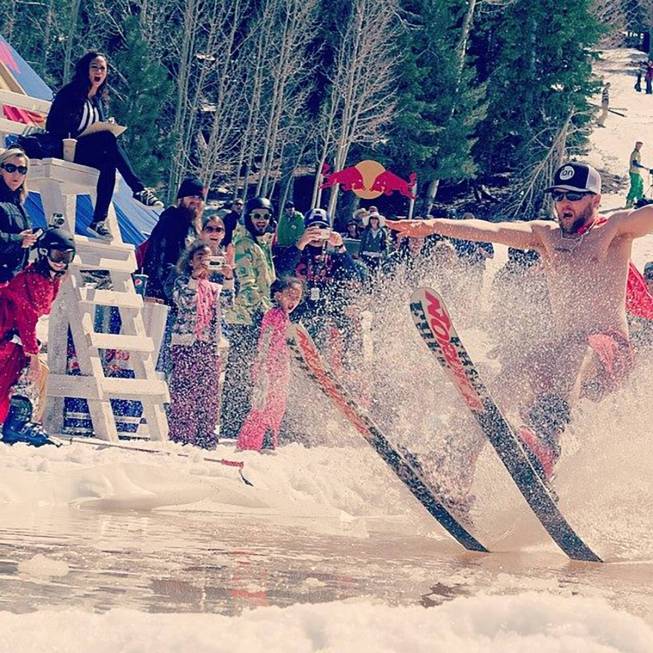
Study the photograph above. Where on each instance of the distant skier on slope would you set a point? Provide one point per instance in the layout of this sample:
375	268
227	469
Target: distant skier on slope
591	282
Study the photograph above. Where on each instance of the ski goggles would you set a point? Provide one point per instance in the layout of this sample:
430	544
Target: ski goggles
571	195
61	255
12	167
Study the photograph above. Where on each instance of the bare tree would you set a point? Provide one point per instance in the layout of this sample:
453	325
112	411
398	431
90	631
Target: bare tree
361	100
526	200
288	72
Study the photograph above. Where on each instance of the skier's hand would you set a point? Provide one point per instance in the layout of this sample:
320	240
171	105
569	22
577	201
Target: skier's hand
413	228
28	238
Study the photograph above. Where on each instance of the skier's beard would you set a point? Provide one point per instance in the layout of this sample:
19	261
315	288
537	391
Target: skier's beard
584	218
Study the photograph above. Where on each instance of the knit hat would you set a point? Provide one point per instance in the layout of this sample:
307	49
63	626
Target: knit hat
191	187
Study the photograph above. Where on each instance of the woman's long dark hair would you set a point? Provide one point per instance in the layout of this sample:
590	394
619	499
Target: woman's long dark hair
81	80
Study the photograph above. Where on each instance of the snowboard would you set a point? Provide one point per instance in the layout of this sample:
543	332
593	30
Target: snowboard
434	324
312	362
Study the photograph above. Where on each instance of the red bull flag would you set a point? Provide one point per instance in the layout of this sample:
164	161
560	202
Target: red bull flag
369	179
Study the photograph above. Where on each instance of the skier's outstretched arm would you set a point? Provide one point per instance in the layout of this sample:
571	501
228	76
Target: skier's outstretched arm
634	223
514	234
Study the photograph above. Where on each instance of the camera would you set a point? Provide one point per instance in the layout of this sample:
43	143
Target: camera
216	262
325	234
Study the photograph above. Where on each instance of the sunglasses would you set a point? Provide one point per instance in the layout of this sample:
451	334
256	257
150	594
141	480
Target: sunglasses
258	215
571	195
61	256
213	230
11	167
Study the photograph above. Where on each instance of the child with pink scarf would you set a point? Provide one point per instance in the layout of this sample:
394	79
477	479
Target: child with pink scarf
271	370
194	383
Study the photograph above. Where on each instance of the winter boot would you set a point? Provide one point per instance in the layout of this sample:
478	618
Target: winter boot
18	426
548	418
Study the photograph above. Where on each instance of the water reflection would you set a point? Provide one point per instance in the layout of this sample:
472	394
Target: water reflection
168	561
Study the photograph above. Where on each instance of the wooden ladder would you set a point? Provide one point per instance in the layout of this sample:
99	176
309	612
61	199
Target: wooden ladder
58	183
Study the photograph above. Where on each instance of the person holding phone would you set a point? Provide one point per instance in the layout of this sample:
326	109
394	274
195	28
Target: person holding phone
221	261
16	235
194	383
320	259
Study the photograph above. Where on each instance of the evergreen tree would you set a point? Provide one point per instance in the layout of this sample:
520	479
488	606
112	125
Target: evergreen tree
440	105
140	90
537	62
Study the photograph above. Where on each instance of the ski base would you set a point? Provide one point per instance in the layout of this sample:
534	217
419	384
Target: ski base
311	361
436	328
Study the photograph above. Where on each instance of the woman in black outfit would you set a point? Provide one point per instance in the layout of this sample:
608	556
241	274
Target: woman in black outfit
16	236
78	105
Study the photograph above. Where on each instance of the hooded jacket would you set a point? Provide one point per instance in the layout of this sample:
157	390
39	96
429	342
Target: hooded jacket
255	274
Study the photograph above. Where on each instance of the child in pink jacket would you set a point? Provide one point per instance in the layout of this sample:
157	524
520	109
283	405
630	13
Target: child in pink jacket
271	370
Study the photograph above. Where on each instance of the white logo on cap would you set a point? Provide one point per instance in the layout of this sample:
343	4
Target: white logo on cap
566	173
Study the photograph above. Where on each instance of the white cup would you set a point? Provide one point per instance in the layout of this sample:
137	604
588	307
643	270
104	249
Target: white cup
69	146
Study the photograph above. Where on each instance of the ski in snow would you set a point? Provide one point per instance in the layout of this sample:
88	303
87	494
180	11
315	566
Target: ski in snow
436	328
312	362
102	444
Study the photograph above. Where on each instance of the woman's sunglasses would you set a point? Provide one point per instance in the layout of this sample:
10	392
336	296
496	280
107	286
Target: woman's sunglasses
61	256
571	195
11	167
214	230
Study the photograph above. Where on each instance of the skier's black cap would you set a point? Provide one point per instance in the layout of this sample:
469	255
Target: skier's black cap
576	176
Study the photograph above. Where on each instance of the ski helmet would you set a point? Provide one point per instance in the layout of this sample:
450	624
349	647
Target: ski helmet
258	203
57	240
251	206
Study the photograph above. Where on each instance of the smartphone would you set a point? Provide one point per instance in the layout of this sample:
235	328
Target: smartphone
37	232
216	262
325	234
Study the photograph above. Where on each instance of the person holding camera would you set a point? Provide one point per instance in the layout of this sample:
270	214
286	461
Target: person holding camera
320	259
16	235
195	378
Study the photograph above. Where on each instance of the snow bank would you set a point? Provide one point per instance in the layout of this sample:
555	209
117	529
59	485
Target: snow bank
508	624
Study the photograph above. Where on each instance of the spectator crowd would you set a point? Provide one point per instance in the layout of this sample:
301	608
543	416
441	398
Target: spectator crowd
232	279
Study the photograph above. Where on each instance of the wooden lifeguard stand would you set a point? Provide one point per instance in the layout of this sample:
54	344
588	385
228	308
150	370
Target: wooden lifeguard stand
59	183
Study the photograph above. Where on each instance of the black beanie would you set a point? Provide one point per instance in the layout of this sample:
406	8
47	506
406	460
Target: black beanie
191	187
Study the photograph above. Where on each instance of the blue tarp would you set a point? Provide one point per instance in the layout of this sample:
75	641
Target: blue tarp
135	220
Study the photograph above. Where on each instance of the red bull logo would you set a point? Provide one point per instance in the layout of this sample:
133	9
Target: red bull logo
369	179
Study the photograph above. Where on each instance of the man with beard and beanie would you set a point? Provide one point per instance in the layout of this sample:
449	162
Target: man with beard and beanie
178	227
26	298
591	284
320	259
255	273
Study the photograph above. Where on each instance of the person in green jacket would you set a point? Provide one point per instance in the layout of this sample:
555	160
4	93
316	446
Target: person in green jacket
290	227
255	273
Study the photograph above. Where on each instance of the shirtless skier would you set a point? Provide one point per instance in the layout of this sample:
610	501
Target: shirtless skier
591	282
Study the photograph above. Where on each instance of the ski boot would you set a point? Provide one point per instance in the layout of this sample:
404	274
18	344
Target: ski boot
541	441
18	426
